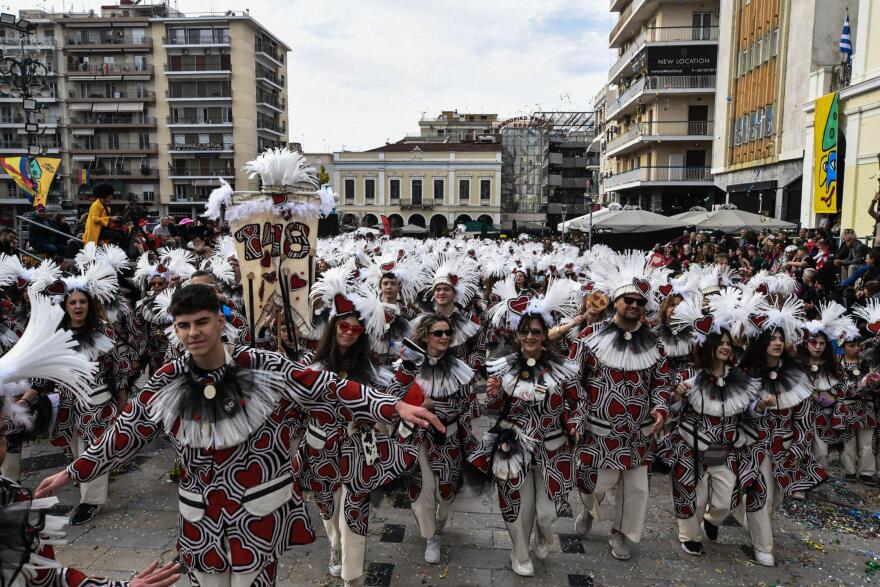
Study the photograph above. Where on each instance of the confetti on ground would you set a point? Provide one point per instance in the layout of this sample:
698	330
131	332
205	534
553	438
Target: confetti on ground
838	506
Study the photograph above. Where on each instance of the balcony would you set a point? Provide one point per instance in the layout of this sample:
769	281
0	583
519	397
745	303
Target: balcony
211	67
200	147
422	204
644	132
277	129
204	172
27	42
142	174
196	40
199	121
105	69
662	36
270	52
119	148
122	96
630	20
276	81
110	41
272	102
18	120
21	146
556	180
199	95
659	176
653	85
110	121
53	96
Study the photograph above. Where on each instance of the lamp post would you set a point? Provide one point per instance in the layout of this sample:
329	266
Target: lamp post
564	208
589	201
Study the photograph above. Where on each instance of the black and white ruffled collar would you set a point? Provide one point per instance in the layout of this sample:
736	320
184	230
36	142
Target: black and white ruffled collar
92	343
444	377
623	350
675	346
722	396
788	383
219	408
532	382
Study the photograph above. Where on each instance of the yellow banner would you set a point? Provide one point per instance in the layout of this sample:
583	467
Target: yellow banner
32	174
825	155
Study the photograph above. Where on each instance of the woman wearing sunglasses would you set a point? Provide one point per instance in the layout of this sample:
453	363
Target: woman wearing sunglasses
341	463
447	384
700	448
778	430
526	451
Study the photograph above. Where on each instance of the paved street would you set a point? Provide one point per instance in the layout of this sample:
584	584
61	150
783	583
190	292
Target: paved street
140	524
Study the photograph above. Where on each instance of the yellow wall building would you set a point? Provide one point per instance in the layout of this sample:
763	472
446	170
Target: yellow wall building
431	185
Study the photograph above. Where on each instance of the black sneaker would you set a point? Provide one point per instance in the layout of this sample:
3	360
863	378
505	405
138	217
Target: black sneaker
850	476
83	514
692	548
710	530
867	480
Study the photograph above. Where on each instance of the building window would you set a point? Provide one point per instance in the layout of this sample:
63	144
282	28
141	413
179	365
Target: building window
759	53
754	126
774	42
759	131
394	191
416	191
768	120
349	191
179	192
766	46
485	191
464	192
149	196
370	190
438	190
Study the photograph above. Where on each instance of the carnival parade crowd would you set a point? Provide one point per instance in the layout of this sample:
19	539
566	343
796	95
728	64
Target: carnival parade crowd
737	363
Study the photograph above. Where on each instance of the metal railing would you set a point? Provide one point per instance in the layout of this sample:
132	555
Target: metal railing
108	68
688	128
19	119
46	228
27	42
194	67
142	95
658	173
679	82
218	146
197	172
107	146
24	143
221	39
109	39
662	34
199	120
113	120
225	93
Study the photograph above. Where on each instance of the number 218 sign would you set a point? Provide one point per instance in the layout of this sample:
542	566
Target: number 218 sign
270	241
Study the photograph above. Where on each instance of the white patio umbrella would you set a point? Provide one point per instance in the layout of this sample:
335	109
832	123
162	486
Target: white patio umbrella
732	220
636	221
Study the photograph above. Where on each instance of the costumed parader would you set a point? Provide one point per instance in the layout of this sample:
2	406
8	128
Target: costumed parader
228	412
826	375
28	533
84	419
705	468
626	380
861	362
397	288
447	384
527	450
778	429
338	462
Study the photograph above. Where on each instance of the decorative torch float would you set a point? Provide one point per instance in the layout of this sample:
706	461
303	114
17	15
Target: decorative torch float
276	233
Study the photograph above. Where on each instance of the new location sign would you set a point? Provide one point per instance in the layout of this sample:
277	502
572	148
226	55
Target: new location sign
693	60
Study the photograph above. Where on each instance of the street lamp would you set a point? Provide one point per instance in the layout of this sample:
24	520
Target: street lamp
564	208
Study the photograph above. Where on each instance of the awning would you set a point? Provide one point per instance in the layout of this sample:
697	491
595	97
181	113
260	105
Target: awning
131	107
80	107
205	182
137	78
105	107
82	132
83	157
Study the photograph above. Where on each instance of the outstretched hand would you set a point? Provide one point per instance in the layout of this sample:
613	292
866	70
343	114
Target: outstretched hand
51	484
156	576
659	420
419	416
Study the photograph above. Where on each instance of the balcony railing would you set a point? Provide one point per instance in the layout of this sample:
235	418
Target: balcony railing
662	35
23	144
120	147
111	120
27	42
220	146
682	174
221	39
200	120
195	67
625	16
132	174
680	82
19	119
199	171
108	68
208	95
109	39
686	128
131	96
270	51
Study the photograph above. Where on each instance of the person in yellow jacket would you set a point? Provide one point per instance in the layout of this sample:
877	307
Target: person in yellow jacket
98	221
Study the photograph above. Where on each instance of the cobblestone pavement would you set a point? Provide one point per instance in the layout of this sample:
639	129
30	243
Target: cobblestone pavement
139	524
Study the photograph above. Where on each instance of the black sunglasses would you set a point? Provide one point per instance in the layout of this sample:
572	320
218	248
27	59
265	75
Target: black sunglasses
439	333
533	332
640	302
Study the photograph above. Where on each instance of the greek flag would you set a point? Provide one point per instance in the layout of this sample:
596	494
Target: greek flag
846	40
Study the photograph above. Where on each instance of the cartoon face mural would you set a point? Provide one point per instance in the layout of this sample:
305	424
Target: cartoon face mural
825	155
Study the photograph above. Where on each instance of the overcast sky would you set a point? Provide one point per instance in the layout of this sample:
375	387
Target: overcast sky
364	71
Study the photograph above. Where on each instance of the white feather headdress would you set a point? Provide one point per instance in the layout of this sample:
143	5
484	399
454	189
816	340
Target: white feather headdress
560	302
622	273
833	323
724	307
870	313
99	280
457	271
789	317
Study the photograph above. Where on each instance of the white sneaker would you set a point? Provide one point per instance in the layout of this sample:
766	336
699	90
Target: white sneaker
542	549
763	558
335	565
432	550
522	568
583	524
619	547
799	495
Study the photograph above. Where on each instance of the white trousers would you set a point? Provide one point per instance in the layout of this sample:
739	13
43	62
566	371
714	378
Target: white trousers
820	450
429	508
858	454
227	579
535	509
758	523
714	491
91	492
630	496
352	547
11	468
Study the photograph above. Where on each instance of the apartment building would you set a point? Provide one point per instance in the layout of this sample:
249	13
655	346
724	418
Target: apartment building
767	52
660	104
450	126
432	185
161	104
